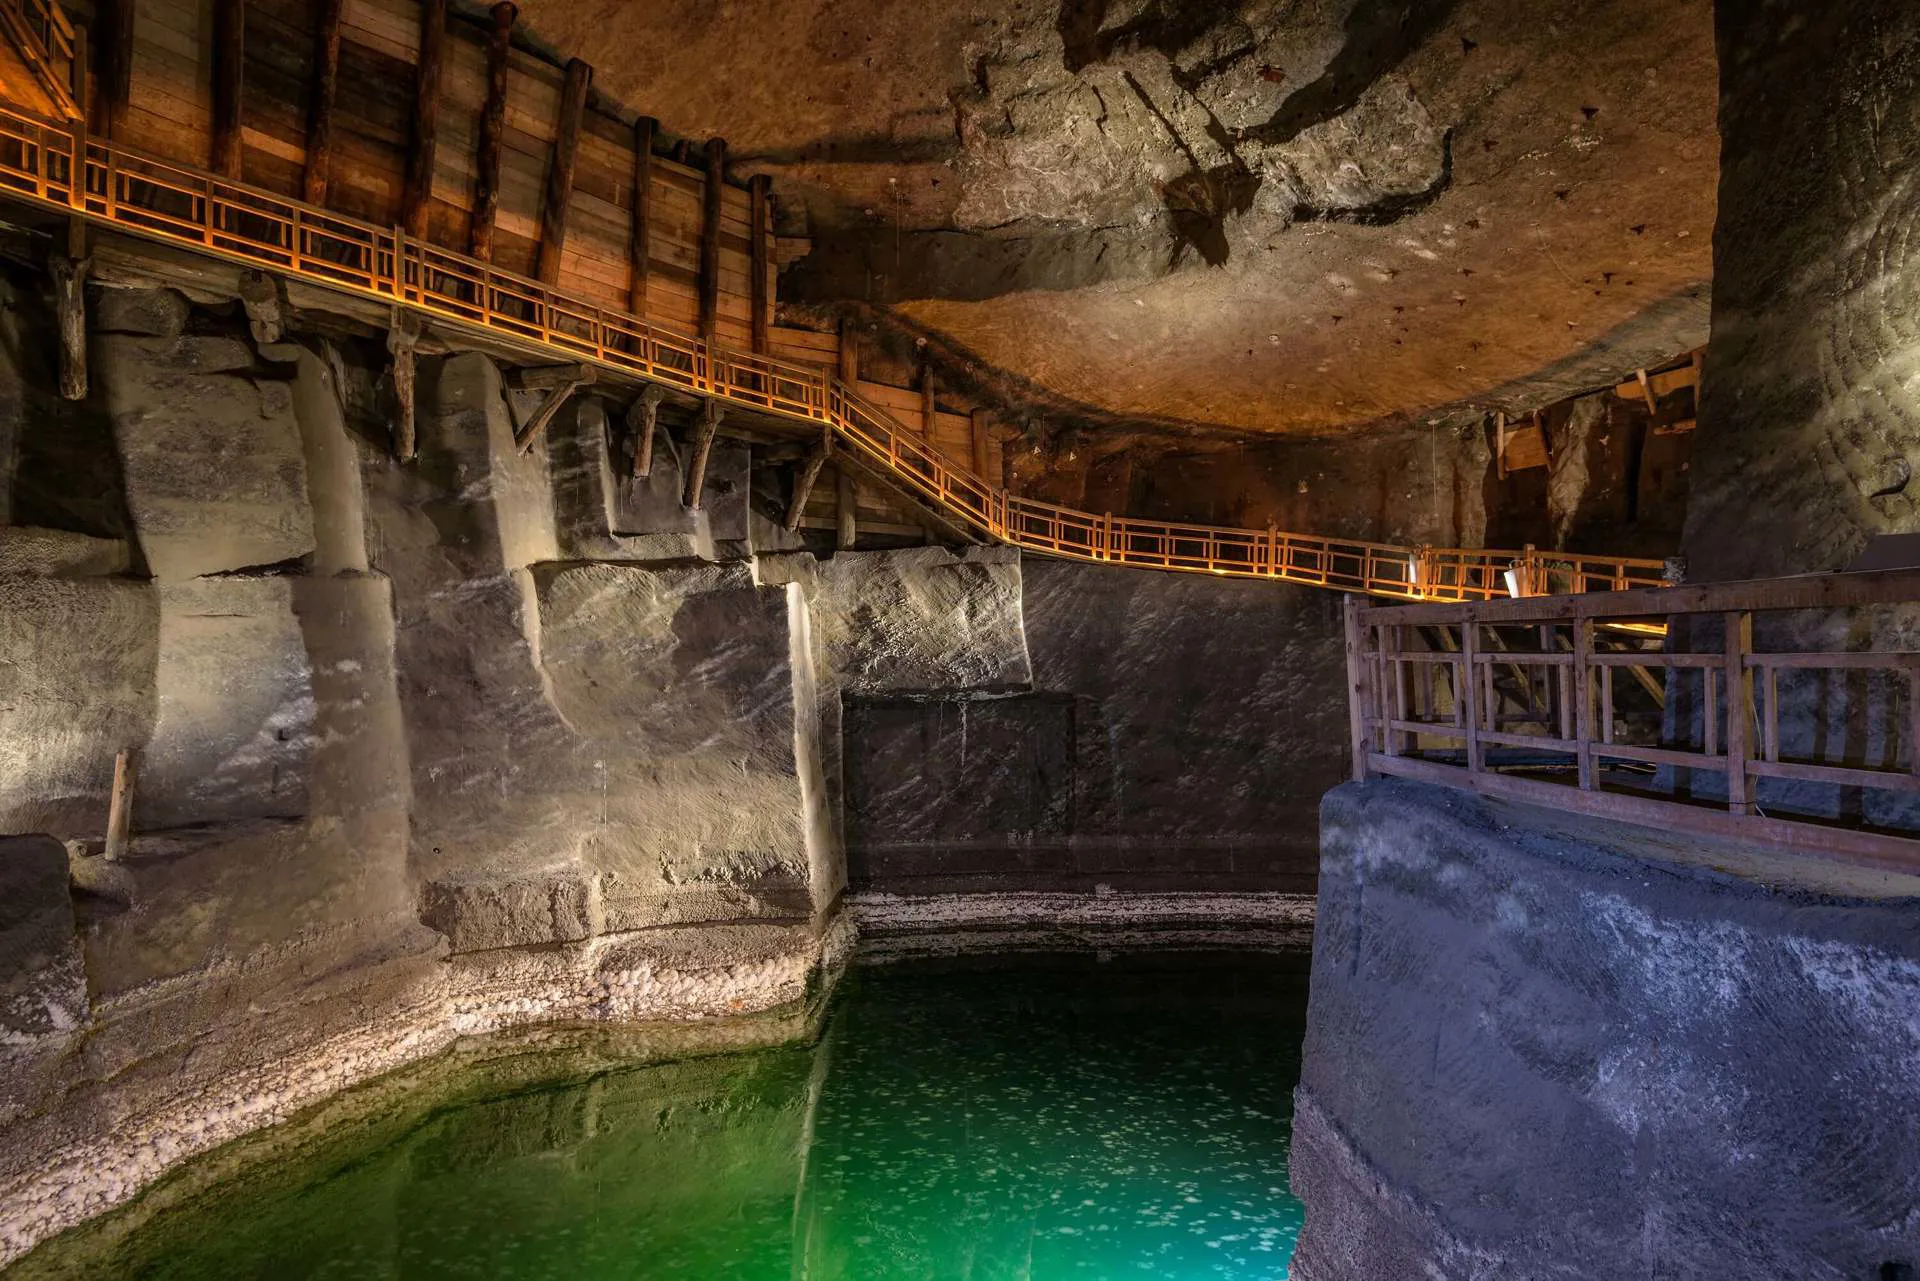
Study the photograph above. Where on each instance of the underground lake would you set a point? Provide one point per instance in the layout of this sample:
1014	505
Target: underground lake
1012	1117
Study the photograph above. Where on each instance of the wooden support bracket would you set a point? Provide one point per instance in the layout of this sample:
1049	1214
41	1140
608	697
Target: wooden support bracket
403	336
702	450
804	482
643	420
560	382
266	311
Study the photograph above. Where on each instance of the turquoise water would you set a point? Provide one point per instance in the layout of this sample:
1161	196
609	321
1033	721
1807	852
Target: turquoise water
1042	1119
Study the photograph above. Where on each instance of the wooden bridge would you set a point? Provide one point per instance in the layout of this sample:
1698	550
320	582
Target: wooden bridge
50	160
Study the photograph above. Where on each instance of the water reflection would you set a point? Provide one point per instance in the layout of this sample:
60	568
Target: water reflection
1048	1118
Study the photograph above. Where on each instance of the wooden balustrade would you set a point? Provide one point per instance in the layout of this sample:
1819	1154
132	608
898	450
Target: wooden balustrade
1428	702
180	205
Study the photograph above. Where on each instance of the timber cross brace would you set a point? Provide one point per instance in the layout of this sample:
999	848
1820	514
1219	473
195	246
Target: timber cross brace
54	165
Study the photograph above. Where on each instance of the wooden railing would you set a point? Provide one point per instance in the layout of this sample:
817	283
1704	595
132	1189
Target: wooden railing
184	206
41	33
1593	704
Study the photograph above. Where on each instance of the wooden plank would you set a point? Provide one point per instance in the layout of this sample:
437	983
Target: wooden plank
229	66
644	130
710	238
326	90
493	130
760	277
426	117
559	193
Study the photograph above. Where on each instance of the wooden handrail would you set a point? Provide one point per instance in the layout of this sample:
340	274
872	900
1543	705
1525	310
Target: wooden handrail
1432	713
181	205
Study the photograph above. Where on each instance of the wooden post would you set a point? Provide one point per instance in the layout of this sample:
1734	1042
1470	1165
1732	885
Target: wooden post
1739	685
760	252
70	266
1393	691
702	449
229	64
643	420
710	238
120	806
846	511
403	335
493	130
849	354
982	441
1583	700
83	99
426	118
1356	688
1500	445
809	473
1470	692
644	130
326	88
116	65
566	150
927	410
560	382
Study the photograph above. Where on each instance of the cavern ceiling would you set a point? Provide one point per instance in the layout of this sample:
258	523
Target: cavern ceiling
1270	216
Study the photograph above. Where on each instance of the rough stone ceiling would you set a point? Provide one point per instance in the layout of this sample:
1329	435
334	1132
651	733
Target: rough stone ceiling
1272	216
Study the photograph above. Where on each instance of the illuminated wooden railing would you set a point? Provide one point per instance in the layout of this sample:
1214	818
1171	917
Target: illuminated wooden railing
41	33
1529	700
180	205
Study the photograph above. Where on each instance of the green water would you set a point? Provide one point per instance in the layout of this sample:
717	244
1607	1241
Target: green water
1052	1118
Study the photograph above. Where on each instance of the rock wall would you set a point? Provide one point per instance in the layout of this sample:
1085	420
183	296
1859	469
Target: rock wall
1541	1047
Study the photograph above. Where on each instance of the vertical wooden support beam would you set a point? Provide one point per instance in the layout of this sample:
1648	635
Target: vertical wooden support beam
1739	684
927	410
846	511
120	807
702	449
1500	445
566	150
1356	688
849	354
326	89
116	22
1471	692
981	425
710	238
70	266
493	130
760	251
644	130
643	421
403	334
1583	700
83	99
229	67
809	474
426	118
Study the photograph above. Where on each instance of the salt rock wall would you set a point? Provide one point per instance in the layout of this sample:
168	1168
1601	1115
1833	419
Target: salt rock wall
1541	1047
1176	733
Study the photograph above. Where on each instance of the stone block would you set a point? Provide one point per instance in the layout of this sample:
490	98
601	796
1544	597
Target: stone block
234	733
524	912
43	980
56	553
215	472
150	313
77	663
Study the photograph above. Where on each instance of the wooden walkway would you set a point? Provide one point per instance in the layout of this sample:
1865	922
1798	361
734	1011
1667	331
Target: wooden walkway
55	165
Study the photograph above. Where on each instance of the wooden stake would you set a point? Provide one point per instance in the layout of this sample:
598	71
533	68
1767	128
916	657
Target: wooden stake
70	271
566	149
493	130
809	473
644	130
229	64
982	441
1646	392
710	238
846	502
564	381
120	807
426	118
116	65
760	244
702	449
643	419
326	88
403	335
849	354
